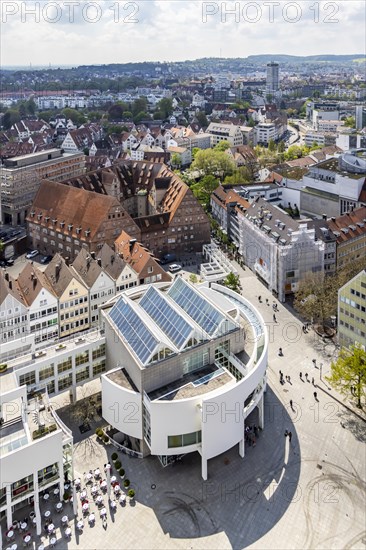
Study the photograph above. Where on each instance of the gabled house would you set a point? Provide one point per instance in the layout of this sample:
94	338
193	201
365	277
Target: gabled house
41	301
100	285
147	269
72	296
123	275
14	316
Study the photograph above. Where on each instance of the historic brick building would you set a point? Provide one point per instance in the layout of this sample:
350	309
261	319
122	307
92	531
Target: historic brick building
146	200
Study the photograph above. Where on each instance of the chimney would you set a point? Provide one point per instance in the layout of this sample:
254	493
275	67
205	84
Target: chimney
57	270
7	276
324	216
132	242
333	219
92	254
112	259
99	260
67	261
34	282
10	284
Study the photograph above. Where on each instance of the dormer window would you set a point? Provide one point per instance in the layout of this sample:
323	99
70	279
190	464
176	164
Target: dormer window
62	224
69	227
78	230
87	233
47	219
32	213
39	216
54	221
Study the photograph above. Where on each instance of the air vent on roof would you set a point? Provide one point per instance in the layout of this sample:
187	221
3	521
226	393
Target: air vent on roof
353	227
360	224
336	233
62	224
87	233
39	216
32	213
344	230
54	221
78	230
47	219
69	227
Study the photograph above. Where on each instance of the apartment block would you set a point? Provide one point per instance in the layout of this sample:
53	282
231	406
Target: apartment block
21	176
352	311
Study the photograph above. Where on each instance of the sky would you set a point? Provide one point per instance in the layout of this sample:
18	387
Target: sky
80	32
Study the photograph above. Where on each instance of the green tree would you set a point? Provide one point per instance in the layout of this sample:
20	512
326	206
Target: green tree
348	373
126	114
316	298
222	145
10	117
176	160
232	281
165	107
240	175
350	122
202	119
272	145
139	106
204	189
195	151
74	115
142	115
209	161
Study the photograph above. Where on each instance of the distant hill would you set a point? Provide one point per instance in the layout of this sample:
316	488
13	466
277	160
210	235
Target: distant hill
283	58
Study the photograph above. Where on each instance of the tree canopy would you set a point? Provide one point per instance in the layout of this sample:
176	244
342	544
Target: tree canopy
209	161
348	373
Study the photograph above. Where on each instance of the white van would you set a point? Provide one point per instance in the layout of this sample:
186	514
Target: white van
174	268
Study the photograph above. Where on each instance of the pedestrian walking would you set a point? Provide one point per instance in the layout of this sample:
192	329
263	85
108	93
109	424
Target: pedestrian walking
289	379
313	382
286	433
280	353
315	396
314	362
291	404
301	375
306	376
274	318
267	302
290	436
260	299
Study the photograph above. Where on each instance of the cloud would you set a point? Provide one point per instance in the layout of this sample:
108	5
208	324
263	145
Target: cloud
109	31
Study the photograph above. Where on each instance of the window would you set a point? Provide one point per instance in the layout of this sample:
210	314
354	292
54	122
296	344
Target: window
65	365
184	439
27	378
64	382
98	368
99	352
82	358
82	374
46	372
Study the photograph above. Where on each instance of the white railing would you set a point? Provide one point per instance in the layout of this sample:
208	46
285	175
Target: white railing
58	420
125	450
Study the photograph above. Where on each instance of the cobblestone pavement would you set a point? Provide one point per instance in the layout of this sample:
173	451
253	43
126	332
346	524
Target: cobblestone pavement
305	493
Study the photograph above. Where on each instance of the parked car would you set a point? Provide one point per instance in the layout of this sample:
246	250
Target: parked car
32	254
174	268
46	259
9	262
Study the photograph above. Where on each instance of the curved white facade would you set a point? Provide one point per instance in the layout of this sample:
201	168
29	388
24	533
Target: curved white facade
186	415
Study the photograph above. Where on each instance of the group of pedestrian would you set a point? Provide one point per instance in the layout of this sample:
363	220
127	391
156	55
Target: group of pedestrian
283	378
306	328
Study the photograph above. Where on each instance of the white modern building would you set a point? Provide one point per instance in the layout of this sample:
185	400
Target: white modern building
190	366
35	451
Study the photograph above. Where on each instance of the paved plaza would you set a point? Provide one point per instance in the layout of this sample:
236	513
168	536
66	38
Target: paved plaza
305	493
